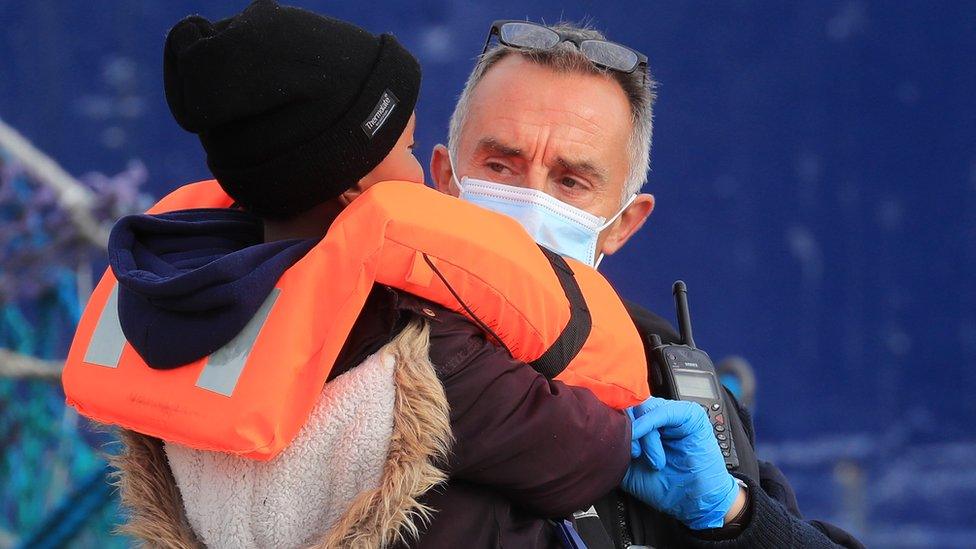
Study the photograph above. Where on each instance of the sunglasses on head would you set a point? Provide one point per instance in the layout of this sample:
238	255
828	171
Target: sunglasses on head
531	36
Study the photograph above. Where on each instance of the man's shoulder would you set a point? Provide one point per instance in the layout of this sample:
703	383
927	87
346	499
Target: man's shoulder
455	338
650	323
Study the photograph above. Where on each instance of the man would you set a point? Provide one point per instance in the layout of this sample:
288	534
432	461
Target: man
561	112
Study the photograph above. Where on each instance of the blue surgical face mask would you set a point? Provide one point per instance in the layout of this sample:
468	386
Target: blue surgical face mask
561	227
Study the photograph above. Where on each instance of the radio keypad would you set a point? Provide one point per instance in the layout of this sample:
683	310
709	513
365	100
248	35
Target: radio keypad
717	419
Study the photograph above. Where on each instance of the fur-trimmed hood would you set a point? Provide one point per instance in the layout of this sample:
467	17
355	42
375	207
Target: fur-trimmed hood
367	506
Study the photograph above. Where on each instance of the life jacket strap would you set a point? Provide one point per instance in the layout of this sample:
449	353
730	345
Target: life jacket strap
574	335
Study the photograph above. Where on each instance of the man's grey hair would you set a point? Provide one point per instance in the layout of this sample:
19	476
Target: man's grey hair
567	58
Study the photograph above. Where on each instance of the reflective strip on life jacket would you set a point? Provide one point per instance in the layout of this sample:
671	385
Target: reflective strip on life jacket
105	348
224	366
253	395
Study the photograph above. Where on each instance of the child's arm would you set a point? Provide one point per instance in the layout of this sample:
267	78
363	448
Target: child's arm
548	447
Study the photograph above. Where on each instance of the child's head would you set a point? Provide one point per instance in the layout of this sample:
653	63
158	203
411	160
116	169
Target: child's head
293	108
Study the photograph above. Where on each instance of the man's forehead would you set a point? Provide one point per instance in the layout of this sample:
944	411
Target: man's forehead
517	98
521	129
590	101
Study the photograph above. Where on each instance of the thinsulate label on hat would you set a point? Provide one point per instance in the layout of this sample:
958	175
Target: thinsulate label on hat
381	112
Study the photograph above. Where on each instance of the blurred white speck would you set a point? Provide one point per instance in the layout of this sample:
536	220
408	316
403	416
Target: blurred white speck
95	107
890	214
806	249
131	107
908	93
847	22
725	186
898	342
436	43
119	72
113	137
808	167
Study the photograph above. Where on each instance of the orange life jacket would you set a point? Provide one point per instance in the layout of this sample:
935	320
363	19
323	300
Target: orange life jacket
252	396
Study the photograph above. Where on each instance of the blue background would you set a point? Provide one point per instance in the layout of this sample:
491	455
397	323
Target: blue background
814	165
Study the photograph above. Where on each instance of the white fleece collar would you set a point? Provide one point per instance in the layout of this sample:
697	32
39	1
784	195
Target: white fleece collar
293	500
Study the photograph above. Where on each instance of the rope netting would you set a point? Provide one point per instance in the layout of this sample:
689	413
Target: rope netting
53	229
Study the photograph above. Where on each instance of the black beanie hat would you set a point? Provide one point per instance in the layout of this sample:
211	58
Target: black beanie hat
292	108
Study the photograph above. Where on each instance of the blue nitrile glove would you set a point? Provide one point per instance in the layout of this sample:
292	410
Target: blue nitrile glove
678	467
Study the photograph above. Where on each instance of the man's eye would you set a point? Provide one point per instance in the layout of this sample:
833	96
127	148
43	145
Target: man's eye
496	167
569	183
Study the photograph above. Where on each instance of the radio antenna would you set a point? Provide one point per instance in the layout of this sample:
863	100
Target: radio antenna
680	292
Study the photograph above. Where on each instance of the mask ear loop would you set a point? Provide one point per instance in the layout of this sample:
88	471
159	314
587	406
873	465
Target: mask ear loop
599	259
596	265
450	161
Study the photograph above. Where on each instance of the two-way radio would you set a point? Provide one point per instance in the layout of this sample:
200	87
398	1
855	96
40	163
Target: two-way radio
684	372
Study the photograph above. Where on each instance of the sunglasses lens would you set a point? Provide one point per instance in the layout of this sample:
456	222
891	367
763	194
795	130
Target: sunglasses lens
610	55
527	35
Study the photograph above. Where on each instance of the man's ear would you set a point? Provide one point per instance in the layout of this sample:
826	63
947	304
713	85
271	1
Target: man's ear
631	220
440	170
